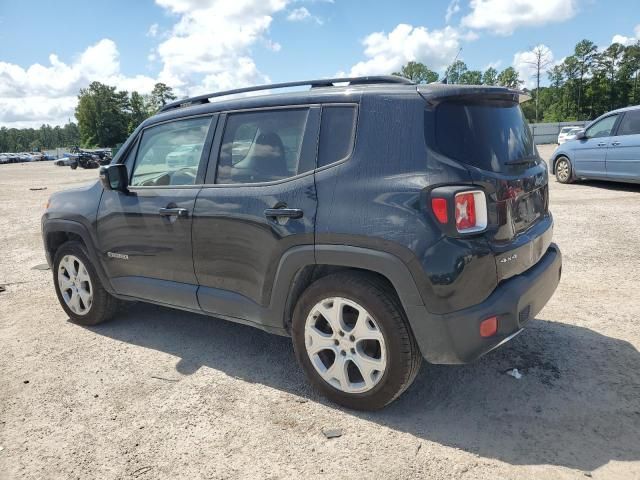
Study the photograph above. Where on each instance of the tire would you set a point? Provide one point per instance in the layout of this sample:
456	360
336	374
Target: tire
563	170
85	300
73	166
367	309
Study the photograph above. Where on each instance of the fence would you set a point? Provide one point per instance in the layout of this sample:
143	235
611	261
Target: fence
548	132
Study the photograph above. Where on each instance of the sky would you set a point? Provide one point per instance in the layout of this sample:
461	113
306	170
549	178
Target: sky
49	50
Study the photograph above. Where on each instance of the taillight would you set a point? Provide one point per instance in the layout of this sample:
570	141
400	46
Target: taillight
439	207
471	211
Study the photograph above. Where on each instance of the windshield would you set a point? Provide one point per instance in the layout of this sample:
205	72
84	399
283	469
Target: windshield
485	134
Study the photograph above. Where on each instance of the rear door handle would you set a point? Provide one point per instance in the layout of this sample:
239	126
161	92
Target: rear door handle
283	212
615	144
177	212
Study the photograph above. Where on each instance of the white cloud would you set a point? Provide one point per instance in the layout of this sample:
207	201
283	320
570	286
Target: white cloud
504	16
302	14
207	49
628	40
525	65
48	94
495	65
153	30
211	42
452	9
388	52
298	14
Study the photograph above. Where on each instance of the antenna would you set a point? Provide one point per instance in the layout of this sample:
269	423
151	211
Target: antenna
446	74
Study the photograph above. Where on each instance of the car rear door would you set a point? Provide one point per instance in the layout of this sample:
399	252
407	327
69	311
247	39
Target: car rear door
145	234
623	155
259	201
590	153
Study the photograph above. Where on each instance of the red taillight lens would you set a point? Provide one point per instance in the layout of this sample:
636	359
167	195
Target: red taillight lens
439	207
465	211
471	211
489	327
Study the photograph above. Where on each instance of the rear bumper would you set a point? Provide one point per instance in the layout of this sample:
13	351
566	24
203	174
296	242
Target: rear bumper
454	338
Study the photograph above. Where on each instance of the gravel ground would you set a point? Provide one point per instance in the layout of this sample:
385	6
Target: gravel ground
158	393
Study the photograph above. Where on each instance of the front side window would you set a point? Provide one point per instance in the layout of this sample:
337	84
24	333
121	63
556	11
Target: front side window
169	154
630	124
602	128
263	146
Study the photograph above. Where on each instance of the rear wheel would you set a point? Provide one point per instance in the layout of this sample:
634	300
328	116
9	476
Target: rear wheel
563	170
78	286
351	338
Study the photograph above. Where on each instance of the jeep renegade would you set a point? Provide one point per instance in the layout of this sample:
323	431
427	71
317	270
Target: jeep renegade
375	221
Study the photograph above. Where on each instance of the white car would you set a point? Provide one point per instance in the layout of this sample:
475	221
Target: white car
567	133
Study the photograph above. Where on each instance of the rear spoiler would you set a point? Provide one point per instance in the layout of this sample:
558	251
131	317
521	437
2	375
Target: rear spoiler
435	93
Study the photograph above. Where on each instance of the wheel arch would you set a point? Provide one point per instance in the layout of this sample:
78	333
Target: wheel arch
385	267
56	232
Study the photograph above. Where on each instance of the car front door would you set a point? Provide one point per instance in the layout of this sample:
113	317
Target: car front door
590	153
259	201
623	155
145	234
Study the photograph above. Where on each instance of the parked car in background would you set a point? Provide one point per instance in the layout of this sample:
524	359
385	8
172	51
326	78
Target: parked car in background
608	149
567	133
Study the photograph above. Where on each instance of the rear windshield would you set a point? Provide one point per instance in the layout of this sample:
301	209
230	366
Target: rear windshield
483	134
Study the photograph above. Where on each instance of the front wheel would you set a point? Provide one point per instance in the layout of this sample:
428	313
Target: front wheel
563	170
78	286
351	337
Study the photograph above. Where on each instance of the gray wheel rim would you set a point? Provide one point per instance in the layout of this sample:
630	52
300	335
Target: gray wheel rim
75	284
562	170
345	345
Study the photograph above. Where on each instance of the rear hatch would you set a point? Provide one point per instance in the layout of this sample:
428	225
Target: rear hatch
485	130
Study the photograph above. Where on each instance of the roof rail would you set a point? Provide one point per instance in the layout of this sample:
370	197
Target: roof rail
323	82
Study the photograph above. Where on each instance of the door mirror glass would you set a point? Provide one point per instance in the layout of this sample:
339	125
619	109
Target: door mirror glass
580	135
115	177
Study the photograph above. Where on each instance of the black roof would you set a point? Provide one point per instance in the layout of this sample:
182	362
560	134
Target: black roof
334	90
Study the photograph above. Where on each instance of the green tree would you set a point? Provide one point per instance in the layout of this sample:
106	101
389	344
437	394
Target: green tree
417	72
455	71
140	109
471	77
161	95
585	53
102	115
509	78
490	76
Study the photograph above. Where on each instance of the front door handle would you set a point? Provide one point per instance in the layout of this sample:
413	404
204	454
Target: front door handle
602	144
283	212
171	212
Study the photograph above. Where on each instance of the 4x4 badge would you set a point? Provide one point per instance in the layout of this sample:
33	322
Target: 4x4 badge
121	256
509	259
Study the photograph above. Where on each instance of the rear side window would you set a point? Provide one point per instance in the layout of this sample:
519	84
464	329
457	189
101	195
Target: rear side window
630	124
337	131
263	146
484	134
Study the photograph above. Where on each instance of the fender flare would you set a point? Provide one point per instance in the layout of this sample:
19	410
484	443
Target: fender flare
69	226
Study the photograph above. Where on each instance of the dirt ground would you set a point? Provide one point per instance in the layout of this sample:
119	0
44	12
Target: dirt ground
158	393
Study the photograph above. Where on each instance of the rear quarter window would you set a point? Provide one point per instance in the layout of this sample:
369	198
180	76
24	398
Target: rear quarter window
337	132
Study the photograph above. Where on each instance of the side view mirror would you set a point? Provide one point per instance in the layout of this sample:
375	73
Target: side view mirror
580	134
115	177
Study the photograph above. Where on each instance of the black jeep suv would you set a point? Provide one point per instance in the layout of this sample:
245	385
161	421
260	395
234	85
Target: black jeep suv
373	220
